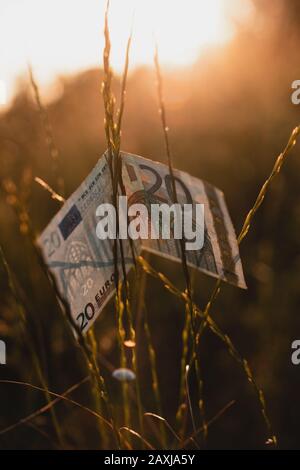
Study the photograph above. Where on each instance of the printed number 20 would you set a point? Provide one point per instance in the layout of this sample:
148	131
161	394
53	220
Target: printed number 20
168	182
52	243
84	317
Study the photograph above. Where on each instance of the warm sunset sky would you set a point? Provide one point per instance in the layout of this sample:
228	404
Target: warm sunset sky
61	36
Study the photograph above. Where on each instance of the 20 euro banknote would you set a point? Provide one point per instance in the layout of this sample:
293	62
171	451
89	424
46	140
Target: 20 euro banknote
83	265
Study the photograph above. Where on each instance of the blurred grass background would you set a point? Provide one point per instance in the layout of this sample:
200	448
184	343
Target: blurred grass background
230	115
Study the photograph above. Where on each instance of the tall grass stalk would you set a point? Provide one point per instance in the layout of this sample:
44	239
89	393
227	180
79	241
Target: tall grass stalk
98	383
243	233
208	424
64	306
62	397
142	315
98	402
113	130
205	316
189	304
53	151
44	408
24	318
110	132
250	216
93	368
233	351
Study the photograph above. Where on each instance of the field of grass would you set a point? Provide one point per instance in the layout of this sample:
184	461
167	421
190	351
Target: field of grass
212	363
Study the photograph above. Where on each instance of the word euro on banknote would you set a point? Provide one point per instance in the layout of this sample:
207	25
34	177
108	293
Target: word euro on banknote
83	265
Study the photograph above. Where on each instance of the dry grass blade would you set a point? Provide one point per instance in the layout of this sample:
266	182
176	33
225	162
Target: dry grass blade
53	151
48	188
113	135
61	397
44	434
162	278
271	439
244	231
92	365
189	400
136	434
91	361
44	408
165	127
24	318
250	216
165	422
98	402
262	193
223	337
189	303
64	306
110	132
142	322
209	423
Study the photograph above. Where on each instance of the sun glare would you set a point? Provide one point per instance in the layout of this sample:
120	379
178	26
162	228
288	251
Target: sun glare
181	28
63	36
